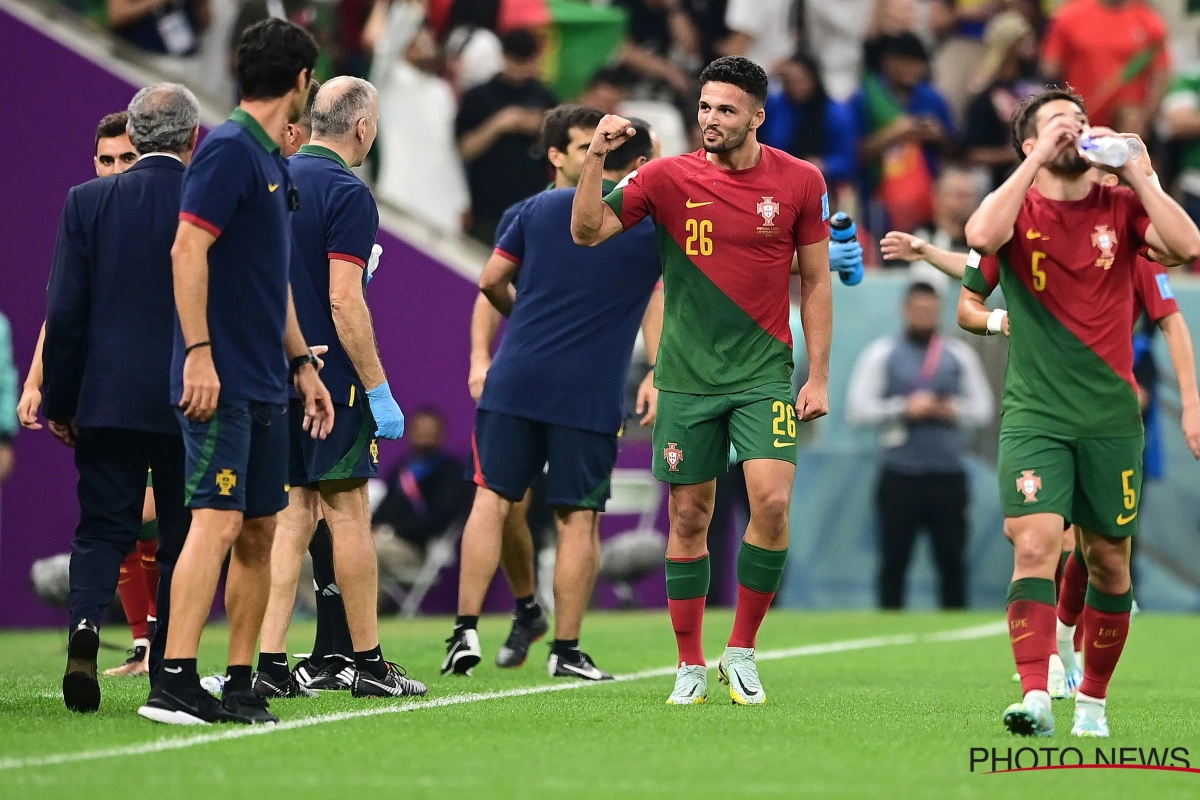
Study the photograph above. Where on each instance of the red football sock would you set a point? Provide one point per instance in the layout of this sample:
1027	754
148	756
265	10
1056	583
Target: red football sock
1071	591
1106	627
687	618
148	552
751	609
132	589
1031	630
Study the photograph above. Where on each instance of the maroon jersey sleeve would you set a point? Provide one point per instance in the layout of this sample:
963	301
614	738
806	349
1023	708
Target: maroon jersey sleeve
1152	289
1135	215
812	196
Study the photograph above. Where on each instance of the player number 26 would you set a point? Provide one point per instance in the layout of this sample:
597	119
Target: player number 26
1039	274
785	414
699	242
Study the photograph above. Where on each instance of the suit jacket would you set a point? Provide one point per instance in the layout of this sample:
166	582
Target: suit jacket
110	315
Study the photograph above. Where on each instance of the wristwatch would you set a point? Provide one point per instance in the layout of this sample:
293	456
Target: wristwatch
298	362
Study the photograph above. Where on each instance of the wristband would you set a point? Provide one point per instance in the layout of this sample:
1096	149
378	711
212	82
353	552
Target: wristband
1154	179
995	321
190	348
298	362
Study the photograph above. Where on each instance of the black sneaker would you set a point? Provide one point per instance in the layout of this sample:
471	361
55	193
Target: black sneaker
336	673
246	707
462	652
190	706
80	688
267	685
575	664
523	634
395	684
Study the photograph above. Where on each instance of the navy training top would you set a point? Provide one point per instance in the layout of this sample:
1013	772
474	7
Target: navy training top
338	219
566	350
237	188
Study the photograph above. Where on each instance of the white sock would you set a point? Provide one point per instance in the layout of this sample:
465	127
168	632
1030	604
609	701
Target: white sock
140	643
1056	664
1038	697
1066	644
1083	698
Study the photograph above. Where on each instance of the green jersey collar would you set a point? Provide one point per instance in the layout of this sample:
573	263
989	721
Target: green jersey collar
324	152
251	124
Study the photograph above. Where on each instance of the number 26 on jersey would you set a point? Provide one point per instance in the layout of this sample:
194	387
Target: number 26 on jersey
699	240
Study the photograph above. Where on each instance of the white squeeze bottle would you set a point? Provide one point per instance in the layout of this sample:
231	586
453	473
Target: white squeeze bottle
1111	151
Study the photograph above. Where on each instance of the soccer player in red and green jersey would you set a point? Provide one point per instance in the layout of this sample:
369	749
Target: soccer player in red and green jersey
731	219
1064	249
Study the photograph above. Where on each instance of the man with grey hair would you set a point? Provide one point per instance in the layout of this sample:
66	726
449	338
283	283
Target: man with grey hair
106	362
333	245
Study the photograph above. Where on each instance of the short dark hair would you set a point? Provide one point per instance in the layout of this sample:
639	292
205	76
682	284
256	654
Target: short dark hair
640	145
556	127
305	120
520	45
903	45
270	56
1024	119
920	287
112	125
621	77
740	72
430	411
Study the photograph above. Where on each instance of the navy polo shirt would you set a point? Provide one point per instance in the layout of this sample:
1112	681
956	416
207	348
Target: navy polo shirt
565	355
236	188
338	219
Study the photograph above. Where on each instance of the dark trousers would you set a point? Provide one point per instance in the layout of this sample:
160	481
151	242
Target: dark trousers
937	503
112	466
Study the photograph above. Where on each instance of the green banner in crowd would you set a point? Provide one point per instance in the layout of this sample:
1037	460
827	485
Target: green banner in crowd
582	39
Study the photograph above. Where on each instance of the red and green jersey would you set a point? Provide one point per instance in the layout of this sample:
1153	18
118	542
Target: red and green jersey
1152	291
1068	276
726	240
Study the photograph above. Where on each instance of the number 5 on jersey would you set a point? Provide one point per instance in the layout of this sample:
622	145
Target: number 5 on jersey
699	241
1039	274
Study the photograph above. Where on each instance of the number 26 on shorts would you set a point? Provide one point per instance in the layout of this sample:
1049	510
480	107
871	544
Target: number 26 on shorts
785	419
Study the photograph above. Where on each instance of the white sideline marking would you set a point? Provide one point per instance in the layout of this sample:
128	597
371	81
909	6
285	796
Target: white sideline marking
183	742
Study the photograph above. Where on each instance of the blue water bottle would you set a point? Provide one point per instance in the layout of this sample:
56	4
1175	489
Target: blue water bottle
845	253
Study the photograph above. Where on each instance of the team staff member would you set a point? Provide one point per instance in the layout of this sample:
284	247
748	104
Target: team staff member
106	362
237	331
555	393
333	235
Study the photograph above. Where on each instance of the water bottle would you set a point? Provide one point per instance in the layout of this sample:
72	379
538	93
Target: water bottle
843	230
1110	151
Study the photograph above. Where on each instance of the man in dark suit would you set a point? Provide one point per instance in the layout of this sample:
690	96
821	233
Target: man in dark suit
106	361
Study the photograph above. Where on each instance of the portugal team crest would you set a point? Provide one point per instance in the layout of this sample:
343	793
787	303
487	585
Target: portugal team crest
768	209
673	455
1106	240
1029	485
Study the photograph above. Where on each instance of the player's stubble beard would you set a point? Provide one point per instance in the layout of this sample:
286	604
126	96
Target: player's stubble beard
729	141
1068	164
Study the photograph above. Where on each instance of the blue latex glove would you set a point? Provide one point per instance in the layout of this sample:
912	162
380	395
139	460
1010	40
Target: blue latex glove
389	419
847	259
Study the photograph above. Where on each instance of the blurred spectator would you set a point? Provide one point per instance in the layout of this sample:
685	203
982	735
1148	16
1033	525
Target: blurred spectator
889	18
501	16
920	389
804	121
497	127
172	27
764	31
834	33
662	39
903	123
959	27
1007	75
419	168
315	17
608	89
956	198
708	16
1181	118
1114	54
426	493
8	399
474	54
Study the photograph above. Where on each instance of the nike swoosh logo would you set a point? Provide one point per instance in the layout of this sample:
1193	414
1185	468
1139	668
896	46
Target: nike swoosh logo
1099	646
585	671
174	671
272	187
1124	520
784	444
1022	636
376	658
1032	234
691	204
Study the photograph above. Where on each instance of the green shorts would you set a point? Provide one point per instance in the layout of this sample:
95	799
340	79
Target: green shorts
692	432
1093	483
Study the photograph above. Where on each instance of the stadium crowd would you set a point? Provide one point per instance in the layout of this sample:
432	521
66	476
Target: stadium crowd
903	104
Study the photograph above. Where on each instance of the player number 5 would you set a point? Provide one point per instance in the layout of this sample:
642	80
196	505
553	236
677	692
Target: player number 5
1127	490
785	414
1039	275
699	231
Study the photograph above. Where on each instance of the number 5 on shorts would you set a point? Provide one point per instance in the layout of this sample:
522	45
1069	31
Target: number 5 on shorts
785	415
1128	491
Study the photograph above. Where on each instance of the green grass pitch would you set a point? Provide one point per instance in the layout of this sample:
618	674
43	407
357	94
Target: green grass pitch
892	717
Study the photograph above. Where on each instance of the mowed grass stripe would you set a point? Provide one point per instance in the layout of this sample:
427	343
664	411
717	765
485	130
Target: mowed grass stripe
184	742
